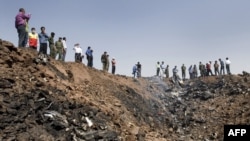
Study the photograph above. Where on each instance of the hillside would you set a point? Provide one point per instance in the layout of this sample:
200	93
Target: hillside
69	101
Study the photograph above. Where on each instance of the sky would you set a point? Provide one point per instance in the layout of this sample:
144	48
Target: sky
146	31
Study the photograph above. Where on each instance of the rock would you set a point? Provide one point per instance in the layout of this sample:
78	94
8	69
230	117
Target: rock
130	138
118	104
134	130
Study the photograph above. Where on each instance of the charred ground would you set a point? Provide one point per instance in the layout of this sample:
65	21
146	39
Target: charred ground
60	101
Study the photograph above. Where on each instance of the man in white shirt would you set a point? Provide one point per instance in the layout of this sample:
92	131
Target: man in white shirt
228	62
65	48
78	52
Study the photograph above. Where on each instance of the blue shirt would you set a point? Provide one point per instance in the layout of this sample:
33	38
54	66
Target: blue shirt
89	52
221	63
43	37
134	68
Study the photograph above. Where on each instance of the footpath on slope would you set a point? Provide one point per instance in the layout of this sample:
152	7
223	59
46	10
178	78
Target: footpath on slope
69	101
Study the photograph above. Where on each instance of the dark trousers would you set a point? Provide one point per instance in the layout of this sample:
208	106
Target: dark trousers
77	57
222	69
90	61
209	71
138	72
228	69
43	48
183	75
113	69
216	71
21	35
157	71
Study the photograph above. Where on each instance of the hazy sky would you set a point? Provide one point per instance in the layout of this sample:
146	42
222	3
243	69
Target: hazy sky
173	31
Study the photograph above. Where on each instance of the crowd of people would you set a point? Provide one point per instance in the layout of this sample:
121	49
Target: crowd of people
57	48
204	69
136	71
33	39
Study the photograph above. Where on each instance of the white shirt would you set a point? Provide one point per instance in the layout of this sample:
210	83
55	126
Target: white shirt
64	44
228	62
78	50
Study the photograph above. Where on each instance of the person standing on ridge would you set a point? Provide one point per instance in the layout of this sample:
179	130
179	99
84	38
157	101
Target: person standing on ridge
190	70
162	66
59	48
175	75
107	65
104	61
43	39
64	48
21	20
228	62
138	69
134	70
52	45
158	68
200	69
167	71
33	39
88	56
208	67
26	33
183	72
222	67
195	72
216	68
113	62
78	52
91	58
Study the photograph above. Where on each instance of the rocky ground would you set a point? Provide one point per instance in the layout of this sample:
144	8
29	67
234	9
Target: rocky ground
69	101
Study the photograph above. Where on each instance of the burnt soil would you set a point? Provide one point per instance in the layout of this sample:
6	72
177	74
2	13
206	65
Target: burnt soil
69	101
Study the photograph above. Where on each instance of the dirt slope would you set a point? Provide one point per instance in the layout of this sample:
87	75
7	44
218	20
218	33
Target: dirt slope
69	101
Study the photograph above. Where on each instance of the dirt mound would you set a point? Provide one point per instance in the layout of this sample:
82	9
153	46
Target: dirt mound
69	101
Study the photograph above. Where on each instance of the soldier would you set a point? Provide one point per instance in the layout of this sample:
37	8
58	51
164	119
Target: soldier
104	61
59	48
107	65
183	72
52	45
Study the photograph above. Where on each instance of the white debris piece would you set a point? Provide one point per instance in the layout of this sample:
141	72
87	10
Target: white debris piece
90	123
